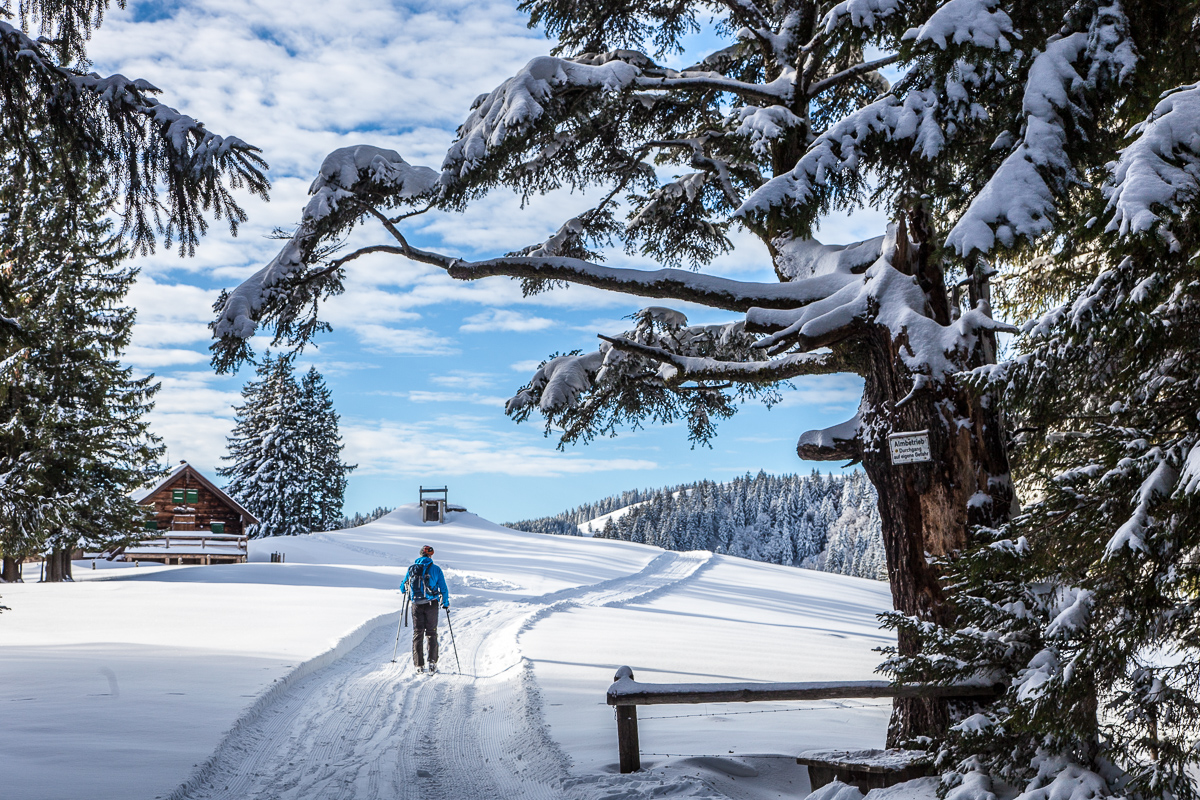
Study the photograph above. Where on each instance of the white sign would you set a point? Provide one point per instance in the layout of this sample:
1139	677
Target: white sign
909	447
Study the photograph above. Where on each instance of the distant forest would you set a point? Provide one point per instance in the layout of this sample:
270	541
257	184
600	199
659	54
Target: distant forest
825	522
359	518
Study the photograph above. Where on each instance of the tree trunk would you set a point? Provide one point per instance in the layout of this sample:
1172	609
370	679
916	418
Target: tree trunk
928	509
58	566
11	570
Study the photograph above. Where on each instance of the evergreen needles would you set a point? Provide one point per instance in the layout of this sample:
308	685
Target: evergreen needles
285	452
74	436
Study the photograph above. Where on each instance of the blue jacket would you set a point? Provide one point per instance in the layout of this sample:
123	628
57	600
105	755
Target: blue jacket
434	577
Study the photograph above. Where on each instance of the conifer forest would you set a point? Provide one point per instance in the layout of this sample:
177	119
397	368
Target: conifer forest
816	521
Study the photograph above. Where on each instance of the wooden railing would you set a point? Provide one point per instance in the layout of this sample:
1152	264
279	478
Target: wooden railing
626	694
217	540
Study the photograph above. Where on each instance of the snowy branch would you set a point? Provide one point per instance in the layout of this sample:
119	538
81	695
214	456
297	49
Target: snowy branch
779	90
842	442
689	368
1020	198
348	176
853	72
141	142
509	111
1160	169
841	147
676	284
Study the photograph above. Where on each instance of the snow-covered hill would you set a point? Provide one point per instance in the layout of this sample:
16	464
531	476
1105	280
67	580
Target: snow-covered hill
275	680
596	524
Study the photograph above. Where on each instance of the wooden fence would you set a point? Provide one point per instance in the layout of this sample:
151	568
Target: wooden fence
626	694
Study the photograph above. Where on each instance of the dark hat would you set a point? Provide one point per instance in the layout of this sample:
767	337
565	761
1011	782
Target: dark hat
426	550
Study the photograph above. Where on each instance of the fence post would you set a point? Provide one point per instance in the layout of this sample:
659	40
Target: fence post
627	731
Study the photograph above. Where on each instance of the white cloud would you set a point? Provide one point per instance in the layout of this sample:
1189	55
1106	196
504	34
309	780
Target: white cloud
149	358
191	393
195	438
403	341
462	379
455	446
829	394
527	366
333	367
495	319
474	398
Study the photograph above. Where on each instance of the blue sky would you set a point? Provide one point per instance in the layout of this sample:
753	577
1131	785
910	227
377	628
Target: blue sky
419	364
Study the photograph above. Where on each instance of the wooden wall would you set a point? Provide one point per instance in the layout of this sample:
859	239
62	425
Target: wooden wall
196	516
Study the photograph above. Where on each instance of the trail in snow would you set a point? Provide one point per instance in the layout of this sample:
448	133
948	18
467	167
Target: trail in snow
364	728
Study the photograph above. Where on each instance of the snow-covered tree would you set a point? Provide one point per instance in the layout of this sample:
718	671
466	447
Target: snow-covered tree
267	451
160	173
74	439
821	522
164	168
983	141
325	474
1085	606
359	518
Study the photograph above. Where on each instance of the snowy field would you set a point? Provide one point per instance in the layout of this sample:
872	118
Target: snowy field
267	680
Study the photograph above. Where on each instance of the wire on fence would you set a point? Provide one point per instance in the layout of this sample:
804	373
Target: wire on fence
716	755
770	711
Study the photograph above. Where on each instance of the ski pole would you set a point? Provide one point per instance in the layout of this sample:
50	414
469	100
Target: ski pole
452	643
399	622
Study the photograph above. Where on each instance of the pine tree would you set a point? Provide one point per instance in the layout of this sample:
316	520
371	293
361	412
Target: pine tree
163	168
987	145
326	475
1084	607
360	518
267	451
74	440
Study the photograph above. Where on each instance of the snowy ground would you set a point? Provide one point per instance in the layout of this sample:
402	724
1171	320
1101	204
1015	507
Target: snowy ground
267	680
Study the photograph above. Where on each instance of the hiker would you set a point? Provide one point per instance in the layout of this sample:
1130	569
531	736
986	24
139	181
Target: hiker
423	584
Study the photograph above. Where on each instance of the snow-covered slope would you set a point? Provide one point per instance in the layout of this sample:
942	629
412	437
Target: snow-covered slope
595	525
275	680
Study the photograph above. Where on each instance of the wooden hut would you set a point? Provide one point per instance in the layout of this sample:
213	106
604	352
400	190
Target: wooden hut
190	521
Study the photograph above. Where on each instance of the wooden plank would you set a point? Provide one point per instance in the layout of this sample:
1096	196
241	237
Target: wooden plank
627	739
630	692
628	749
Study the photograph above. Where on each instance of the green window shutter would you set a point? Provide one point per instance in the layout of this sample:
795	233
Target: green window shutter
177	495
151	524
192	495
218	527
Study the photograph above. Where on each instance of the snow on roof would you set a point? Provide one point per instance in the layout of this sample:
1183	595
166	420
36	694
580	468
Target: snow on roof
145	493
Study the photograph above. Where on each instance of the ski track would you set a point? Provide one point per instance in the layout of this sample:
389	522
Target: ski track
363	728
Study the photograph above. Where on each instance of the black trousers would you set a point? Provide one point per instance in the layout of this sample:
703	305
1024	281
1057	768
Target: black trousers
425	620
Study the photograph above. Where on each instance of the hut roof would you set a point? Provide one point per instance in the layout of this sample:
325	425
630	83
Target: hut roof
146	492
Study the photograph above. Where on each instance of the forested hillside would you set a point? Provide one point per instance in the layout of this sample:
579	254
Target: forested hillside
359	518
826	522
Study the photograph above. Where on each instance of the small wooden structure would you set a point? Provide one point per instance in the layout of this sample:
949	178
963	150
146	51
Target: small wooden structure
434	508
627	694
864	769
189	521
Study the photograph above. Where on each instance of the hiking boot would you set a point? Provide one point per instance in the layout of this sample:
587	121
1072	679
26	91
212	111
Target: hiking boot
420	669
432	667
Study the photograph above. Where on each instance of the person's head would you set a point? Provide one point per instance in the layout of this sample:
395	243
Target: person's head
427	551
